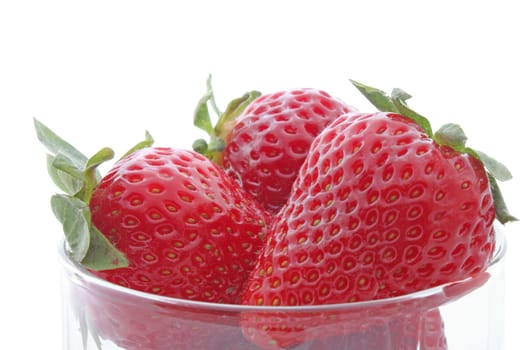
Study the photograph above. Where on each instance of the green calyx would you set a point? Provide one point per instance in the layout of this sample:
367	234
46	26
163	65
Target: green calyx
217	134
451	135
77	176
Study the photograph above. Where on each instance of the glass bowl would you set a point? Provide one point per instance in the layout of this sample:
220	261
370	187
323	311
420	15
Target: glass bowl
466	314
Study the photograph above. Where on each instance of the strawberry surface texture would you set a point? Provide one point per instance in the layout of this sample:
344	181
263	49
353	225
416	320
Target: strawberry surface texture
186	228
378	210
271	138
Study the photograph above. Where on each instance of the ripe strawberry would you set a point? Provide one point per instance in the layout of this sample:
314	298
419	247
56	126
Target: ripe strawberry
186	228
162	221
271	139
380	209
265	143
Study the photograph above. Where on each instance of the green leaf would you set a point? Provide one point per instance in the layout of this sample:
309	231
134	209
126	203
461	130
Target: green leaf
399	98
100	157
201	117
494	167
64	164
452	135
87	245
400	94
74	216
63	180
57	145
102	255
233	110
147	142
377	97
502	213
212	96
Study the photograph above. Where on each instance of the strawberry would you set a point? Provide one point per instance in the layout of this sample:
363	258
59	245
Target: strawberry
373	214
163	221
381	207
186	228
264	142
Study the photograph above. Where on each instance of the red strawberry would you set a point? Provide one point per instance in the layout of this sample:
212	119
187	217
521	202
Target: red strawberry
162	221
269	140
379	209
188	232
186	228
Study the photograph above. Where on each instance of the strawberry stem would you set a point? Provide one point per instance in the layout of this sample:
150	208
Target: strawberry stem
233	110
91	176
218	132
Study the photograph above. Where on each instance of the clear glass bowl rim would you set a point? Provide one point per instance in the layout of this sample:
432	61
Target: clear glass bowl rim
82	276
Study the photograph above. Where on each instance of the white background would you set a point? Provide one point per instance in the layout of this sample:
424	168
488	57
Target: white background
100	73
